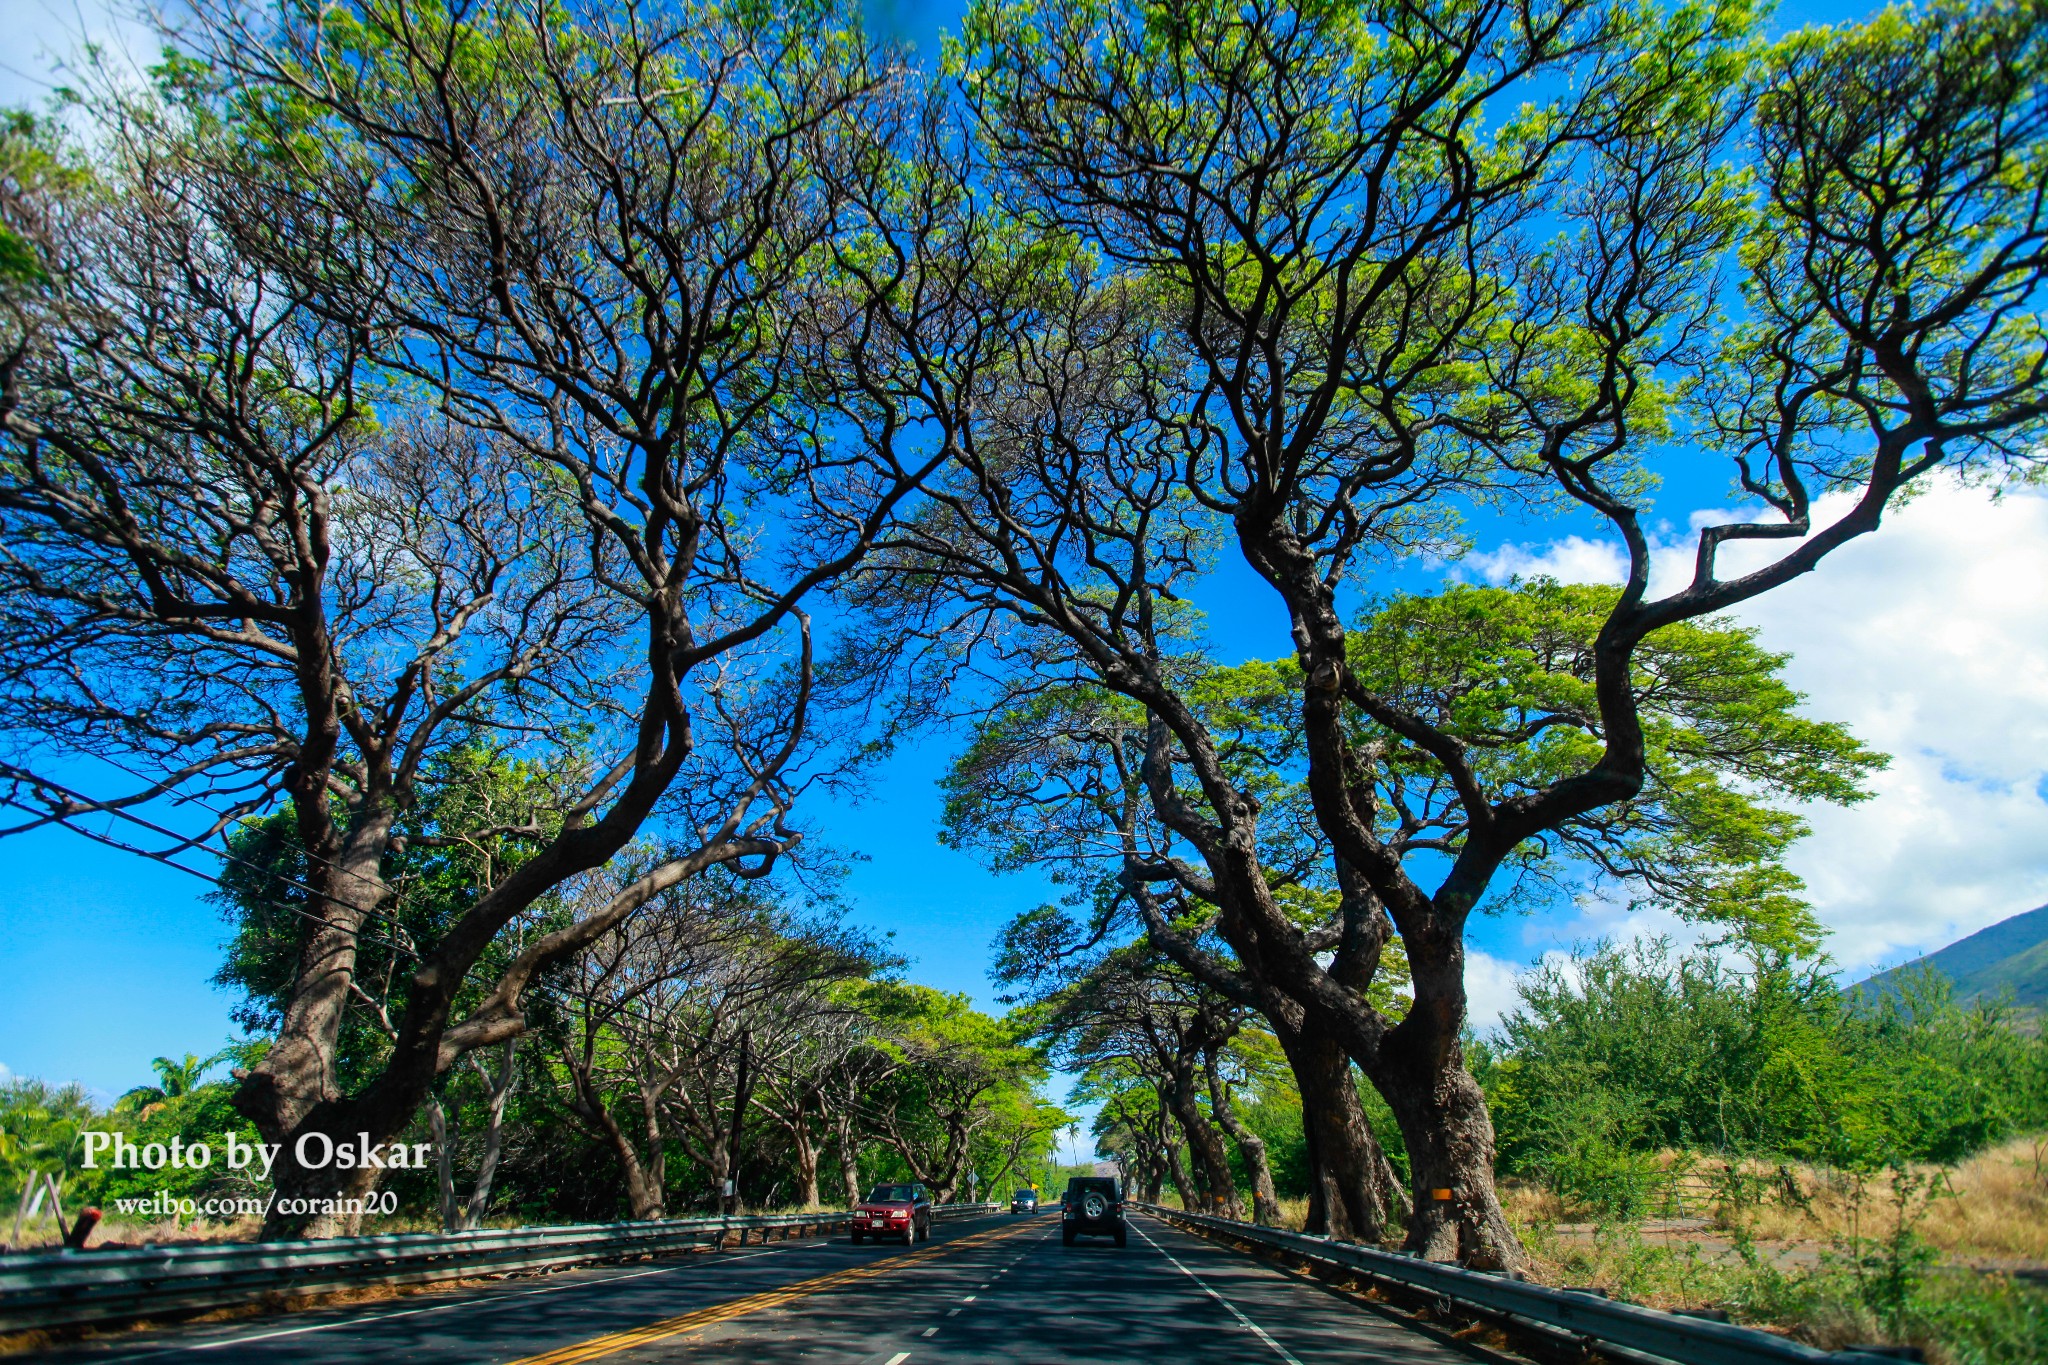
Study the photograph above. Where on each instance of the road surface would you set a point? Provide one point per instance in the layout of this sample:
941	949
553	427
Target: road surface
994	1289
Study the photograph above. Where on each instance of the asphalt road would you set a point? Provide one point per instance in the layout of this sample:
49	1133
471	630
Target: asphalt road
992	1289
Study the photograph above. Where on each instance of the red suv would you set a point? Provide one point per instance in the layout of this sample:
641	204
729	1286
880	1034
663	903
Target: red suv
893	1211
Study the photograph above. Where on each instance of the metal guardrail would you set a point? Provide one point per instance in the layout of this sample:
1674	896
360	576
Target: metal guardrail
56	1289
1589	1318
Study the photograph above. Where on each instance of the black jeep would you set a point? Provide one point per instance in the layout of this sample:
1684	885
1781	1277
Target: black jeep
1093	1204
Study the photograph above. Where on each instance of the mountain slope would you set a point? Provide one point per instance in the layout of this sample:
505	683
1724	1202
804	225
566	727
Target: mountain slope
2012	952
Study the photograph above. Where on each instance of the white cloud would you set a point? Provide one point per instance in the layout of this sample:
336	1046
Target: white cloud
1604	913
1489	989
1574	559
1930	639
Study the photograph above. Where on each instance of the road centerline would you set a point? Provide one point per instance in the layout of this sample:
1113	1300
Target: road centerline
597	1348
471	1299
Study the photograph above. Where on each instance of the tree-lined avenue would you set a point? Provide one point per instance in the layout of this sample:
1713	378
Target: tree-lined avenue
981	1290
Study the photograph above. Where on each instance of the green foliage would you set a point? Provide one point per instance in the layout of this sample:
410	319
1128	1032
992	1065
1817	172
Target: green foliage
1920	129
33	173
39	1128
1508	673
435	871
174	1080
1628	1052
1889	1286
964	1074
1275	1115
200	1114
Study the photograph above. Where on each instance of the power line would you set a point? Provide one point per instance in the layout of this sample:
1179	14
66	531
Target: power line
119	812
855	1102
169	860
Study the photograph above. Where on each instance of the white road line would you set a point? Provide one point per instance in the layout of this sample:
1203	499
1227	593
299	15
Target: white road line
899	1358
1244	1321
931	1331
475	1299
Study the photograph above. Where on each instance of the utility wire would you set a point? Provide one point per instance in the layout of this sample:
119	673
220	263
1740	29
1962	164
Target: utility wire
854	1102
168	860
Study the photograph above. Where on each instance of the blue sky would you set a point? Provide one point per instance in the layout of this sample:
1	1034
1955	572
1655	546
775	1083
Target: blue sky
106	958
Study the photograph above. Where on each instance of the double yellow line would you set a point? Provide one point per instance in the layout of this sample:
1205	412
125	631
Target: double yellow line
599	1347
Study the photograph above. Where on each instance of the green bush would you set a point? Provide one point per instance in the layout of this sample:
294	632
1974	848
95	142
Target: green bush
1628	1051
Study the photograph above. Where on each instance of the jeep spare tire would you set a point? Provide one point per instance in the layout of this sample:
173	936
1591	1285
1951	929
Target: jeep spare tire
1094	1206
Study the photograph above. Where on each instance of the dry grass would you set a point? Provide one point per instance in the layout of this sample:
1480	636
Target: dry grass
1802	1250
42	1234
1528	1205
1956	1315
1993	1206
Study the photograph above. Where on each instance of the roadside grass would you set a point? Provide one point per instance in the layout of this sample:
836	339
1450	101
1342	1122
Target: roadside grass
1992	1206
1831	1257
1883	1292
42	1235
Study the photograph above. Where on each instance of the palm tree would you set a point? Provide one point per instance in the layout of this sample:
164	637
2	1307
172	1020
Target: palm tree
174	1080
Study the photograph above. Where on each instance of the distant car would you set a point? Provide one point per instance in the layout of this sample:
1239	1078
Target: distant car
893	1211
1093	1206
1024	1201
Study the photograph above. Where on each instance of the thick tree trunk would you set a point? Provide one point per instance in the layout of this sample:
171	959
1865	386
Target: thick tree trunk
1416	1066
806	1153
1211	1158
494	1138
652	1203
948	1182
719	1165
293	1094
1353	1192
1177	1172
1443	1118
313	1202
1250	1146
444	1161
646	1198
1148	1154
849	1158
